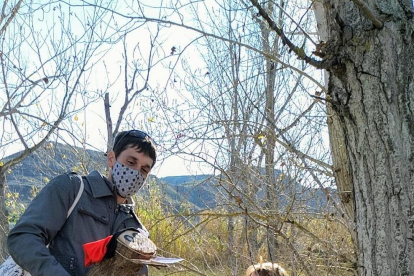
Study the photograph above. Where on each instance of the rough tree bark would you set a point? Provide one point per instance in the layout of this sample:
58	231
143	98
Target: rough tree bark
337	138
369	57
371	89
4	225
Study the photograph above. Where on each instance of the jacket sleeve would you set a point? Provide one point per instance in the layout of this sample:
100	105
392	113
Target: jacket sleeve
39	224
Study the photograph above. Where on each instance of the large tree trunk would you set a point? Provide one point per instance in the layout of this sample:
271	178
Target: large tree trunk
337	139
371	88
4	225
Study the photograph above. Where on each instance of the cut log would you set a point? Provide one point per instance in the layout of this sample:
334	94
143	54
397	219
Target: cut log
115	266
132	248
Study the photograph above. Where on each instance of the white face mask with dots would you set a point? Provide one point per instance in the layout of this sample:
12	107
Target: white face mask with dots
126	180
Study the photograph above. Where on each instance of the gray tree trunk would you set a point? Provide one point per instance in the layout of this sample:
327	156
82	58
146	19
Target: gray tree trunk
4	225
272	197
234	158
337	140
371	88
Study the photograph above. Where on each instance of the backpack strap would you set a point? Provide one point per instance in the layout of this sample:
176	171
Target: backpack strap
78	196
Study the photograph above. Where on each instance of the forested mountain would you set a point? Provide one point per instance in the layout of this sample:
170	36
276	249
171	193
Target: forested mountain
49	161
55	158
195	191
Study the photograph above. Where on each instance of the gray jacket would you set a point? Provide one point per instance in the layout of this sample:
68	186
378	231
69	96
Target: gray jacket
95	217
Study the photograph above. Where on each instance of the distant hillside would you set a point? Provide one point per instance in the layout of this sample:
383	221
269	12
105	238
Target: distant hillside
199	191
178	180
203	192
49	161
55	158
195	192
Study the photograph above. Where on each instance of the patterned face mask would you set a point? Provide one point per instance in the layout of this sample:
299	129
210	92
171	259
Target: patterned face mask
127	181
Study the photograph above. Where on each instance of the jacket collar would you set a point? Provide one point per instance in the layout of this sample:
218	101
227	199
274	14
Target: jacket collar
100	186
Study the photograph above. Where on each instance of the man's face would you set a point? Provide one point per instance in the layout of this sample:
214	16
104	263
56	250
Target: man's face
132	159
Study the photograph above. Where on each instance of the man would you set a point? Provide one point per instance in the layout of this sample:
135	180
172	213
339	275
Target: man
104	208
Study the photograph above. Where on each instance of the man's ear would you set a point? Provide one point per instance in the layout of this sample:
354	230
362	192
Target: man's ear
110	159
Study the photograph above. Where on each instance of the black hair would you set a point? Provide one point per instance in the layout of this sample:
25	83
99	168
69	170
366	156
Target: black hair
143	143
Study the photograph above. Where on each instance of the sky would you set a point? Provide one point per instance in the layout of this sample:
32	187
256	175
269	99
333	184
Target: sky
90	124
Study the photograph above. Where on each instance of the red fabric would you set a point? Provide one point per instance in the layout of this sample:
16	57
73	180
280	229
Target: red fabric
95	251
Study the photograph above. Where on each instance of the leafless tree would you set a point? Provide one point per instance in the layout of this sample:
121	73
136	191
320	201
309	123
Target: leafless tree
47	52
136	69
366	49
367	55
254	120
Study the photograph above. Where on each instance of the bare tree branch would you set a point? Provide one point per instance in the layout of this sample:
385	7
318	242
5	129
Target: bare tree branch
300	52
12	15
108	120
319	64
